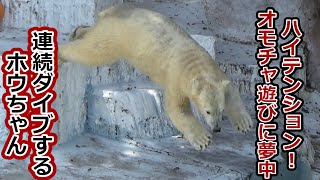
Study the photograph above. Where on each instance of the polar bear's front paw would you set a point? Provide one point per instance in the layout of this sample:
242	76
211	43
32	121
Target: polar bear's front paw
199	139
243	122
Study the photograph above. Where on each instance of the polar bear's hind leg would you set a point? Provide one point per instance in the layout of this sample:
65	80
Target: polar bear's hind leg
87	49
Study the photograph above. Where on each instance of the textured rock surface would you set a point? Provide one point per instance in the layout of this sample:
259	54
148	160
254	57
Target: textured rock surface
189	14
130	111
3	128
238	61
234	20
91	157
23	14
9	39
70	102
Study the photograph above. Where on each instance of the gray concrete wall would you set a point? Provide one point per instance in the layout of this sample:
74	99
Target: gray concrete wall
234	20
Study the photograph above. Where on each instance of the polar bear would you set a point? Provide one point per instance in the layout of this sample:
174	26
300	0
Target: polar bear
166	53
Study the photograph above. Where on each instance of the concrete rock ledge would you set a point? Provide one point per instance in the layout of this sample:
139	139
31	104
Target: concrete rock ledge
70	102
128	111
94	157
238	61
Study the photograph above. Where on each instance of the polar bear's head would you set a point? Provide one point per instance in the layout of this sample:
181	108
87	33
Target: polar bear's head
210	97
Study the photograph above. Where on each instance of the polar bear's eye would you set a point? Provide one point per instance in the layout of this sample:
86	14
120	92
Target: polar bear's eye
208	112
